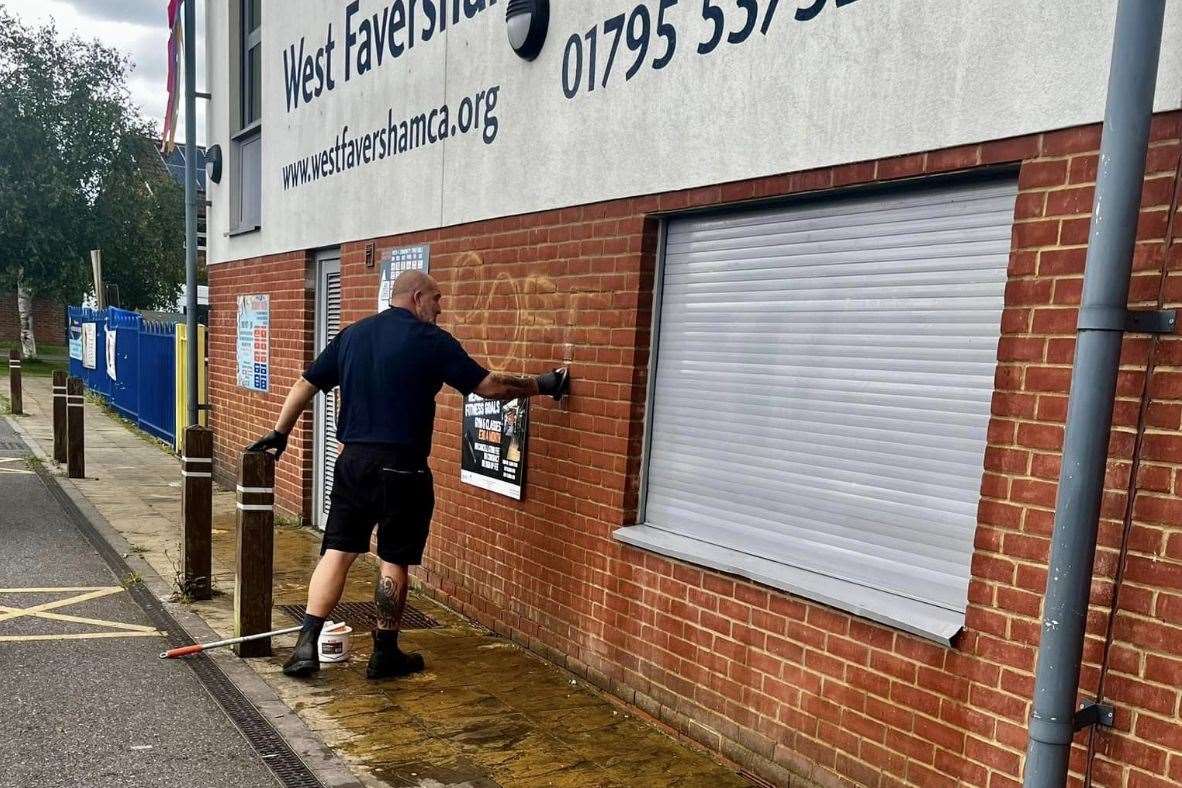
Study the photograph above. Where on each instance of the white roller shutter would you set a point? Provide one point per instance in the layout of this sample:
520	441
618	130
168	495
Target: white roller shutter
823	377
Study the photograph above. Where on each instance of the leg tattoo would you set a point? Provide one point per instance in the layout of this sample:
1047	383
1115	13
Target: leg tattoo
390	597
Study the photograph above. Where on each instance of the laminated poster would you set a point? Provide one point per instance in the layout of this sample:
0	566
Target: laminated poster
254	326
395	262
110	335
75	341
494	438
89	345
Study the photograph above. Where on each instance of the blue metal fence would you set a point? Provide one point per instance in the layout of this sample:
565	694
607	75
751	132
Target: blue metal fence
138	378
157	380
90	364
125	394
76	315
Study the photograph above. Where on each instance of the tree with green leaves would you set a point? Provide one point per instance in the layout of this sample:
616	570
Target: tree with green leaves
77	173
139	223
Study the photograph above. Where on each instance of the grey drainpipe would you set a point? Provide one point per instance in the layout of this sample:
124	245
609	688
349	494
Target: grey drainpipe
191	198
1103	319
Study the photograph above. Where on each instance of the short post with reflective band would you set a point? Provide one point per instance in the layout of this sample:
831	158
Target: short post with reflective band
197	511
256	520
17	399
59	416
75	434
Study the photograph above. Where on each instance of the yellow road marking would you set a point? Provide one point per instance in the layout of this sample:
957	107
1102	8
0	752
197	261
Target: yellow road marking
51	590
81	636
88	593
21	460
28	611
80	620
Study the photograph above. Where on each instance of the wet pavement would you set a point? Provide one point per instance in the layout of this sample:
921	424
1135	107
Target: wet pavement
485	712
88	702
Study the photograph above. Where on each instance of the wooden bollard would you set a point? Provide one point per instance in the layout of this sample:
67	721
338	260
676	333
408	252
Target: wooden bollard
17	398
59	415
256	539
75	434
197	511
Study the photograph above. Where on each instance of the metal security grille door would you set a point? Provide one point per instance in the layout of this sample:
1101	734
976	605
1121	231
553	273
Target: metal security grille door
328	323
822	389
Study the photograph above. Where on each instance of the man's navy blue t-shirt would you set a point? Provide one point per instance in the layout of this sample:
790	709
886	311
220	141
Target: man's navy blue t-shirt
390	366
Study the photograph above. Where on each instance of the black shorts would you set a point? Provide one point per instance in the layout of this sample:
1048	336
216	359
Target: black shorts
375	485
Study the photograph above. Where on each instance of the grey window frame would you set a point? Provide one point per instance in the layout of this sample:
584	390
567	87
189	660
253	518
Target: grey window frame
251	39
246	218
238	210
639	533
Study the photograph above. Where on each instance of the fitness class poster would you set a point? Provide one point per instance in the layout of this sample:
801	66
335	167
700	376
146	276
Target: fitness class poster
494	438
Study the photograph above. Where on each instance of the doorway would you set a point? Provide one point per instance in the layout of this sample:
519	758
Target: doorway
328	323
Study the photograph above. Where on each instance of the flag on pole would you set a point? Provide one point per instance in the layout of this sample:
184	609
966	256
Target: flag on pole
175	51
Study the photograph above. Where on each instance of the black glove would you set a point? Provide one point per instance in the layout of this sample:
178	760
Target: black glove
272	440
556	383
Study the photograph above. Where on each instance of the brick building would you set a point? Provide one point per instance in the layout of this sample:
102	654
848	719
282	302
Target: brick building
49	320
799	504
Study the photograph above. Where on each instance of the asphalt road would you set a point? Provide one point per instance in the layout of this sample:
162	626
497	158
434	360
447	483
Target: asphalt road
93	711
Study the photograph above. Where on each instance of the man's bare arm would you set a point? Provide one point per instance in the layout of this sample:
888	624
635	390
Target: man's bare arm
297	399
499	386
296	402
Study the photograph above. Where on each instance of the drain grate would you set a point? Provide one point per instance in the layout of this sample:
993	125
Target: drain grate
279	757
755	779
363	616
283	762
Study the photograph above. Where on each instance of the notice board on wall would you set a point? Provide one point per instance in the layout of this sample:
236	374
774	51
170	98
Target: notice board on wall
254	341
395	262
494	438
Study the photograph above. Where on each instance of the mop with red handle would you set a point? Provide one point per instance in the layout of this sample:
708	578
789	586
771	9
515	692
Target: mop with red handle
197	648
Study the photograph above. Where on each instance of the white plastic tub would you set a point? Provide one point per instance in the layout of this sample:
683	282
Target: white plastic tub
334	641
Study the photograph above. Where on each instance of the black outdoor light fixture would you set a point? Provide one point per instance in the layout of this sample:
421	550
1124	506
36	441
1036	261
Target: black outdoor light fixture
528	21
213	163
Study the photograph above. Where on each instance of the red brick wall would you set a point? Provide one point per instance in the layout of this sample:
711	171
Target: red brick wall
1022	464
775	682
49	320
239	416
1138	596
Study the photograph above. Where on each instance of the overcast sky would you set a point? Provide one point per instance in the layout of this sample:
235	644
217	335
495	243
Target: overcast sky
139	28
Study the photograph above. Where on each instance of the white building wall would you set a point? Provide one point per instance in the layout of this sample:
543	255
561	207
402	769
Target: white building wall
868	79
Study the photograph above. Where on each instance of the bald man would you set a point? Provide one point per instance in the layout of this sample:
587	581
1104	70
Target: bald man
389	368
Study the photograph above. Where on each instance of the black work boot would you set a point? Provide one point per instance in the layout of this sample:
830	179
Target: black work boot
304	660
389	661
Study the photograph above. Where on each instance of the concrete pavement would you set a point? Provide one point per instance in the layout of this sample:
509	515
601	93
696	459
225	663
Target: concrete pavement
88	701
484	713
